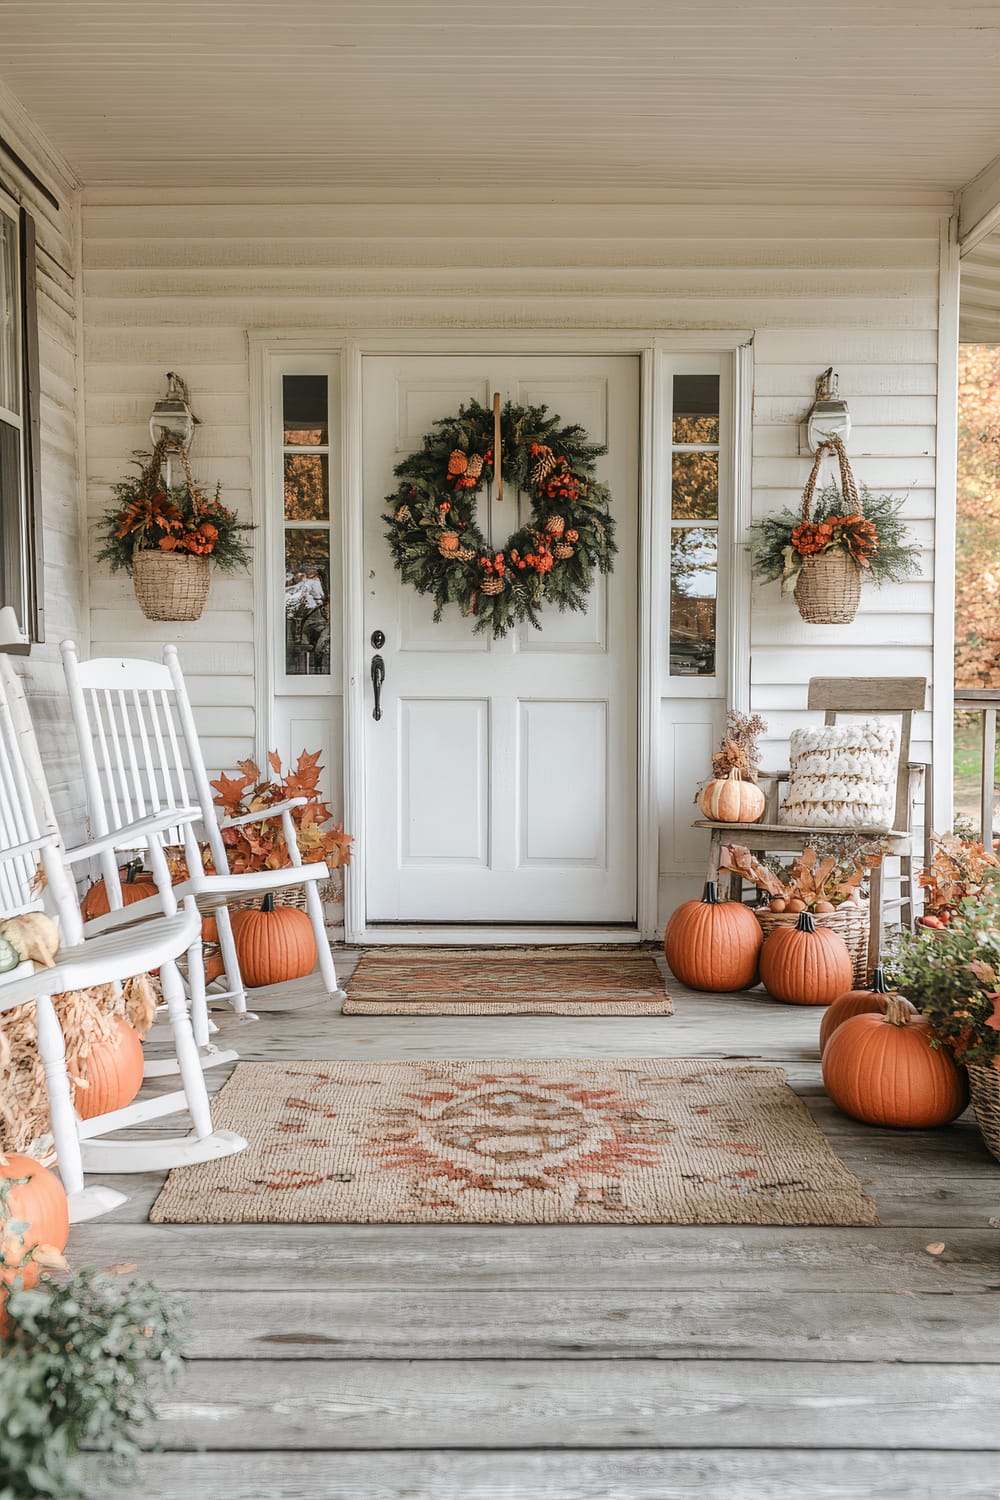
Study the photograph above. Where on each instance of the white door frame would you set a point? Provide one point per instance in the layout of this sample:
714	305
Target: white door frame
651	346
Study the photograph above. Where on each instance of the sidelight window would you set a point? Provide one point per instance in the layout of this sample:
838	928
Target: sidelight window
694	526
306	523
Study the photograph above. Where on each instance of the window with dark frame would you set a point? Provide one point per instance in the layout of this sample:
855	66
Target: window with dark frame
20	486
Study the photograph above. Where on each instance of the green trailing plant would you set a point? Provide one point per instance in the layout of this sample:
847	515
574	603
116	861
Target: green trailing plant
952	975
873	533
184	519
81	1363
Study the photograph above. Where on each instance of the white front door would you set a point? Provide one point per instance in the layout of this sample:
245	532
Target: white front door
500	781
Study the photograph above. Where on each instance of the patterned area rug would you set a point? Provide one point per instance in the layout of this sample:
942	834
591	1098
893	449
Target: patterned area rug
528	981
638	1141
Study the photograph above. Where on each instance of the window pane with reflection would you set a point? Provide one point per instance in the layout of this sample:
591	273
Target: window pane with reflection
696	408
307	602
305	411
307	486
695	488
693	596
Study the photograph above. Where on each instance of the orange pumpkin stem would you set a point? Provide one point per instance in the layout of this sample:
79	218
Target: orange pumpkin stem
897	1011
711	895
268	902
805	922
879	986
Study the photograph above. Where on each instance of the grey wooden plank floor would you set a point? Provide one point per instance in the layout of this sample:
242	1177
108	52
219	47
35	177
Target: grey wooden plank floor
367	1362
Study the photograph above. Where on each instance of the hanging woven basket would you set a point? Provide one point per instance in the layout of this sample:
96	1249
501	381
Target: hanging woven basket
828	588
170	586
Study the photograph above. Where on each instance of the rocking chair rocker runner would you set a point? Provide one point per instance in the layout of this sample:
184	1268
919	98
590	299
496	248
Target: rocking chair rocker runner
29	836
140	752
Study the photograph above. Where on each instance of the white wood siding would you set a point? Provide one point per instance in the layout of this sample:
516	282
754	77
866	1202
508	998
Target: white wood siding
65	552
176	285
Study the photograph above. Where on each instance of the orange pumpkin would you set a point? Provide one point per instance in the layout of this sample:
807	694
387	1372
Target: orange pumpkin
136	884
209	930
29	1194
113	1071
805	964
712	944
732	800
273	944
856	1003
882	1069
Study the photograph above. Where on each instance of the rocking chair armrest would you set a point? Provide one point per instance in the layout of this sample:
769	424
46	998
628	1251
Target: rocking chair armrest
129	834
264	814
30	846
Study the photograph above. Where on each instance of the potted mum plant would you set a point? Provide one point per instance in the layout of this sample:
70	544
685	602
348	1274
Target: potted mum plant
840	536
82	1364
168	536
954	981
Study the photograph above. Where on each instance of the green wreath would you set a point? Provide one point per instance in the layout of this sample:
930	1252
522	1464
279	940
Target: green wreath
437	544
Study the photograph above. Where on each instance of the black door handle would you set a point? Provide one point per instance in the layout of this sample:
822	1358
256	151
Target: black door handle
378	677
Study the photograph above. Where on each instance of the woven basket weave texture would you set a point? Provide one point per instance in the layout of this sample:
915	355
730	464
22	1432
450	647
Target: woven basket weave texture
828	589
169	587
849	922
984	1086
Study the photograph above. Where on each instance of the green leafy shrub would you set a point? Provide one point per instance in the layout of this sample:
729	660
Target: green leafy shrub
952	975
80	1365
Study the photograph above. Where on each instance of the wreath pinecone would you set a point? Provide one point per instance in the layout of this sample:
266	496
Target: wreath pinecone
435	538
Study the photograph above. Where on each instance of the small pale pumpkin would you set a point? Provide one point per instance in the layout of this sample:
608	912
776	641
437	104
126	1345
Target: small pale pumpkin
712	944
805	964
34	936
273	944
113	1073
730	799
884	1070
856	1003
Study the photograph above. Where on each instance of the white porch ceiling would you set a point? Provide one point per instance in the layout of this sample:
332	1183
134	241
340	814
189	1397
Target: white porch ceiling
560	96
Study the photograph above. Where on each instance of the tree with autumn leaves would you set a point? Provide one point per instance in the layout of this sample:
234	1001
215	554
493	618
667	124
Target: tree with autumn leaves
260	846
977	560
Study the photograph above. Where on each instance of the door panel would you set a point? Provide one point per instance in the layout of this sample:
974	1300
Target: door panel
562	750
501	778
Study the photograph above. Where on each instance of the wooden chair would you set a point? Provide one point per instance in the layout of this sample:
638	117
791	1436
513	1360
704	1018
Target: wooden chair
140	752
898	697
29	838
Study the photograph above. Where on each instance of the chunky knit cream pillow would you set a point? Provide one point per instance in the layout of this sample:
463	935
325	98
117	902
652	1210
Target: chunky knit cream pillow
843	776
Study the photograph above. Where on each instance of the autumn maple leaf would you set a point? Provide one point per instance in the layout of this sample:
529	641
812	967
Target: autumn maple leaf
230	791
983	971
993	1021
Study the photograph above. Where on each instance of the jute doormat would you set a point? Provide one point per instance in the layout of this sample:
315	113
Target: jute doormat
505	982
629	1141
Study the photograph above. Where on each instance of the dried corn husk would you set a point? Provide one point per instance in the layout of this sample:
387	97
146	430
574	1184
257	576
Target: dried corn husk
86	1017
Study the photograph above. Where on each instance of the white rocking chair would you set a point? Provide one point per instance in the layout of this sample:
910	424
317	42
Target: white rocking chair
29	837
140	752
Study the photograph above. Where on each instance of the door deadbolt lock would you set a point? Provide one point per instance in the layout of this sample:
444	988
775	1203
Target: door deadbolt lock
378	639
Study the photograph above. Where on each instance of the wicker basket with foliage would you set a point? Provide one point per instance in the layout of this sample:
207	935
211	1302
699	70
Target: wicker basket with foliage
167	536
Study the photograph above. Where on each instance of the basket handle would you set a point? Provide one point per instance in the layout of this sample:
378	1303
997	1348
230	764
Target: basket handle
167	444
847	481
